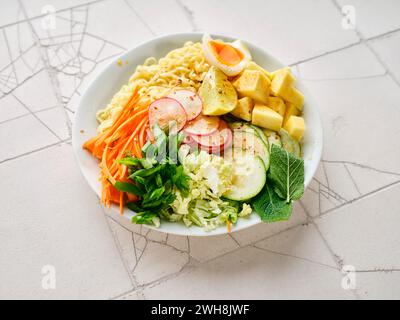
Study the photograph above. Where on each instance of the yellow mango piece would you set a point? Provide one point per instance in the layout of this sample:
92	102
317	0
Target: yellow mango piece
266	117
254	66
282	81
277	104
295	97
253	84
295	127
273	73
243	109
291	110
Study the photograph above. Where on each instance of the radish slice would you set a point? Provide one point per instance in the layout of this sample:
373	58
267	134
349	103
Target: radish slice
190	101
217	141
187	140
165	112
202	126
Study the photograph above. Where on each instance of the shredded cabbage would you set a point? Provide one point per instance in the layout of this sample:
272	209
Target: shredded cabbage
211	177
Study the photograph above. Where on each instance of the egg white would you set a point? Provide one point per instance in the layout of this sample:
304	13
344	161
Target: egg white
230	71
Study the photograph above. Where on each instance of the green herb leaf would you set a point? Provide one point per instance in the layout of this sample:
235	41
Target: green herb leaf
156	176
147	163
155	195
146	172
144	218
174	142
141	180
129	188
181	180
287	174
134	207
129	161
270	207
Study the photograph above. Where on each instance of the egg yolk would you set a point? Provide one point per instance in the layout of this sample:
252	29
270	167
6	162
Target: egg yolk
226	54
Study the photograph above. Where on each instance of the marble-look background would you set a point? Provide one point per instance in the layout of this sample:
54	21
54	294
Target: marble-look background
350	215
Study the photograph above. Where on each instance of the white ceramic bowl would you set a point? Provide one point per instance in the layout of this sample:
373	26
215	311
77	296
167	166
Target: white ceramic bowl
101	90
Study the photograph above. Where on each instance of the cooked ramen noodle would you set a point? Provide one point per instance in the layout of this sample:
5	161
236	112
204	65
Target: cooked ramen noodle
184	67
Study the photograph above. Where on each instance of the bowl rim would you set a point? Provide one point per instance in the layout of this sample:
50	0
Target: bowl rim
200	231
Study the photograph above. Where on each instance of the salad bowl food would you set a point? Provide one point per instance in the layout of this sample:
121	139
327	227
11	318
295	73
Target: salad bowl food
246	135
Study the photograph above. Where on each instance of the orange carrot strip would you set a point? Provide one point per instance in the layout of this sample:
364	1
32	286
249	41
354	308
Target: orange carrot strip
125	133
121	203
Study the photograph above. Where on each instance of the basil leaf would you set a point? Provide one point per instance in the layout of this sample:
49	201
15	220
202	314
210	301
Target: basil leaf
129	188
287	174
270	207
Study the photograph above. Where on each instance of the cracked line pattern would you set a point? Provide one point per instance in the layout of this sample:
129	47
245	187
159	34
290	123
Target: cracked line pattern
367	43
189	14
328	194
63	57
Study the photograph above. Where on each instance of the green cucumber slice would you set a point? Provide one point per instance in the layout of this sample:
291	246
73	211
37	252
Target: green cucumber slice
250	175
261	134
250	141
273	138
290	144
241	126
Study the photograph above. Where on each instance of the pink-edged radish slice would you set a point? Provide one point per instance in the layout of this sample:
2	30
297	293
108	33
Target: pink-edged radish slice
188	139
202	126
167	112
189	100
217	141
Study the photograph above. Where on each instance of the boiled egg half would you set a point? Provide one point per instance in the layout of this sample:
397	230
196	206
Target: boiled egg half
231	58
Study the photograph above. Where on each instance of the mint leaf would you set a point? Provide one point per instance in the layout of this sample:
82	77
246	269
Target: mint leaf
287	174
270	207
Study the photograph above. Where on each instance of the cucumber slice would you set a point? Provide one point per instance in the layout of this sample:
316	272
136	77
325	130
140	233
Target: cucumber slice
261	134
242	126
273	138
250	175
251	142
290	144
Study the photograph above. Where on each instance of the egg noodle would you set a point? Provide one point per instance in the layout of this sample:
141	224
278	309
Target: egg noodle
184	67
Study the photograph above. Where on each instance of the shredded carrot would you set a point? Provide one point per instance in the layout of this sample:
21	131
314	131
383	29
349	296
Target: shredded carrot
131	197
121	202
126	134
229	225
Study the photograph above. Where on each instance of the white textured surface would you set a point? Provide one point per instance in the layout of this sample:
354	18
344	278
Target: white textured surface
348	216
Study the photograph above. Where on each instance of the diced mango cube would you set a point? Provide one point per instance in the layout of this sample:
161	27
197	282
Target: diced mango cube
282	85
295	127
243	109
291	110
273	73
282	80
266	117
295	97
254	66
253	84
277	104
